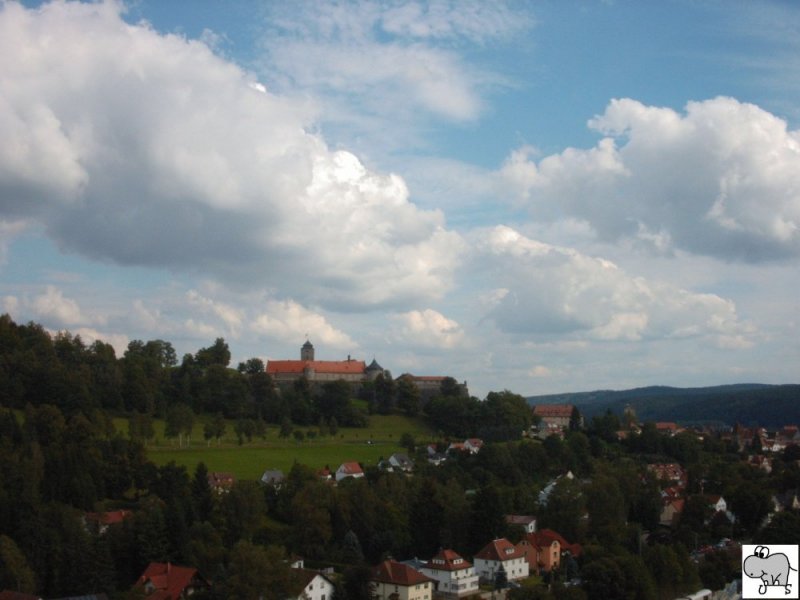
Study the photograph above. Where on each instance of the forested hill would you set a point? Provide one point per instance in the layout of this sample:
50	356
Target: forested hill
746	403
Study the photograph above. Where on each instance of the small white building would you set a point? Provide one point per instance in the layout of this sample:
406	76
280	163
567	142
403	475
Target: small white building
310	585
454	576
349	469
499	553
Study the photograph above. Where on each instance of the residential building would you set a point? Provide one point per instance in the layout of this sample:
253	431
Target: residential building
542	553
454	577
165	581
545	549
272	477
221	483
349	469
501	553
392	580
527	522
100	522
397	463
310	585
557	415
671	511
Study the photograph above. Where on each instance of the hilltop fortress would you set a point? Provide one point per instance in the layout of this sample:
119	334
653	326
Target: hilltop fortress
286	372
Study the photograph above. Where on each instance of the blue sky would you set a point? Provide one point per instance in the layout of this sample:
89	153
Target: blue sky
538	196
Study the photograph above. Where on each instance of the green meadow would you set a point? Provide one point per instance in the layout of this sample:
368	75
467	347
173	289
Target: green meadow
249	460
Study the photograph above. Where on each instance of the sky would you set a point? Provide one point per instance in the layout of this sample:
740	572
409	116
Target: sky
538	196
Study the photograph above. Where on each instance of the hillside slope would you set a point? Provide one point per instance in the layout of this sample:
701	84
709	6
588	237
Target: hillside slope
747	403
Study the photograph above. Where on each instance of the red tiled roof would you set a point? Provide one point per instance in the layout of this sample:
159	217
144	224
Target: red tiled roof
545	537
391	571
500	549
447	561
350	468
666	425
344	367
553	410
168	580
110	517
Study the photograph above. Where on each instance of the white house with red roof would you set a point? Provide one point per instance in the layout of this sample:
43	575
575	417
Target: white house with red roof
454	576
473	445
392	580
165	581
501	553
349	469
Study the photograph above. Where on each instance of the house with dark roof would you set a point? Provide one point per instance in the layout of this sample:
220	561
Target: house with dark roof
501	554
453	576
527	522
392	580
165	581
309	585
272	477
397	463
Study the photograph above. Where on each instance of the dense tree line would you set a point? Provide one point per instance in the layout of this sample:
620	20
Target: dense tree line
60	457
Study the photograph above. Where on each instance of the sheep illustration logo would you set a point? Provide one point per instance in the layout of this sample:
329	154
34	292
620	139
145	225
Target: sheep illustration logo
768	571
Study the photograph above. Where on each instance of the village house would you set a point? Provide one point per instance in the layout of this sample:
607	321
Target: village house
221	483
309	585
542	553
471	445
392	580
556	415
501	554
349	469
397	463
671	511
527	522
273	477
100	522
671	473
165	581
454	577
545	549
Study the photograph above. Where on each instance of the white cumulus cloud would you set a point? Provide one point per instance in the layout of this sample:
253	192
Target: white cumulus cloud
543	289
147	149
429	328
721	179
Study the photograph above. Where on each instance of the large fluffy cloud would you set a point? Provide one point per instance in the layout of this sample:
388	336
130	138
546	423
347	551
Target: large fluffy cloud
146	149
541	290
722	179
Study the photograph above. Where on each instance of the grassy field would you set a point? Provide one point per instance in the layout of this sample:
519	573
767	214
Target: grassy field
250	460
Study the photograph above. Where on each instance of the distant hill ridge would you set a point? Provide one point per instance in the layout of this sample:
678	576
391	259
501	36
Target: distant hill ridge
747	403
